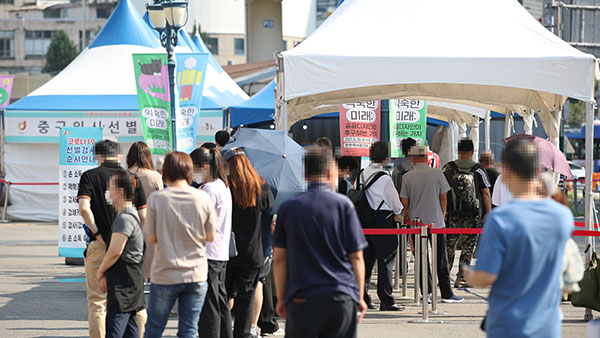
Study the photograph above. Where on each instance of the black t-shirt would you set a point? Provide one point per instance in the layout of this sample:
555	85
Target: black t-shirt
246	224
493	176
93	185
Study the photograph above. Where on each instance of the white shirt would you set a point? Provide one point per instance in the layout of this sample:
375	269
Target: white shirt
218	250
501	194
382	190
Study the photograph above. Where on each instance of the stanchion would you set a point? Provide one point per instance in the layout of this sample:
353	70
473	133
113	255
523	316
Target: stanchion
417	264
397	264
425	312
4	220
404	263
434	282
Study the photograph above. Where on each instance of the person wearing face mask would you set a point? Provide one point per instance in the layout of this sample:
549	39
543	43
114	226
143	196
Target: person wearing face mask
346	166
215	318
99	216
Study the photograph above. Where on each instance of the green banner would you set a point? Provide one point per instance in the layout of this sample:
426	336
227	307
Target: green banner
408	118
152	82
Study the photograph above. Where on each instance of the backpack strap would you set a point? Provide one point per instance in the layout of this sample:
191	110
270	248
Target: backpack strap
375	178
358	184
453	166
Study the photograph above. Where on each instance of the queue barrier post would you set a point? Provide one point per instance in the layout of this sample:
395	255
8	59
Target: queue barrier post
4	209
417	264
424	279
397	265
434	281
403	261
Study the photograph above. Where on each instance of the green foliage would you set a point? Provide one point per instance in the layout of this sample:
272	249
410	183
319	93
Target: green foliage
577	114
60	53
196	28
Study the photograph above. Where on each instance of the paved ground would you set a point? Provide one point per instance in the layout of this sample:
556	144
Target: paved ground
40	296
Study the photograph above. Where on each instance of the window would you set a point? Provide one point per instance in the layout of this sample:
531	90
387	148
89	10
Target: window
7	43
284	45
7	2
51	13
213	45
89	37
102	12
238	45
37	42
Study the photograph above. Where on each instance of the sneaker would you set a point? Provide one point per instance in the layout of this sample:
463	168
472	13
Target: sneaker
279	333
254	332
453	299
428	298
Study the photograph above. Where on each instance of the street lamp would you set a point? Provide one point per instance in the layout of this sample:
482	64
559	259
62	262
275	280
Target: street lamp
168	17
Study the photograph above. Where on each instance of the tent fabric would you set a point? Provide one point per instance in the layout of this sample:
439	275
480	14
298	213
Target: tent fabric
259	108
491	54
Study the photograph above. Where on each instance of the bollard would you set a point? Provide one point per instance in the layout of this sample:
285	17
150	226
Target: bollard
397	265
417	264
434	282
404	263
425	313
4	220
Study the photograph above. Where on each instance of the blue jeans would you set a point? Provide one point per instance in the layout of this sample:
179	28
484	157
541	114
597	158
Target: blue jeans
162	297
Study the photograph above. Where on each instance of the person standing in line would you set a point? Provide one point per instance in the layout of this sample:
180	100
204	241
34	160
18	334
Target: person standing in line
486	160
215	318
319	268
120	273
139	162
520	252
383	198
221	138
99	216
423	195
468	202
251	196
181	220
347	167
325	142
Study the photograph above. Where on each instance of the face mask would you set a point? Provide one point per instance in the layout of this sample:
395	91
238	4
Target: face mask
199	178
108	198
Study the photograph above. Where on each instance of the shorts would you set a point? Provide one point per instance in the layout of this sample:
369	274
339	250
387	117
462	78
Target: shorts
264	272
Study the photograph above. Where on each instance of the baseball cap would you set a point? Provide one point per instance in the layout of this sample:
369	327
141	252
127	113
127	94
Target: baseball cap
418	151
232	152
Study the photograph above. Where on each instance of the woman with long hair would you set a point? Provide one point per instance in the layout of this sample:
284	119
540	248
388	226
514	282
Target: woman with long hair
180	220
139	162
251	196
215	319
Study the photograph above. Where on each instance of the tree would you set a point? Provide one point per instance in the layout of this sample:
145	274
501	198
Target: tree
196	28
576	113
60	53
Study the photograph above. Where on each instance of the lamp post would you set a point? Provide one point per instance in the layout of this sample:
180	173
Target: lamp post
168	17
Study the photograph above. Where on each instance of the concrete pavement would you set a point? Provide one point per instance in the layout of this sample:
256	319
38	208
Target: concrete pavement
40	296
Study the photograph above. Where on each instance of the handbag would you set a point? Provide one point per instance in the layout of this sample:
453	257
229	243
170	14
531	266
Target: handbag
589	296
233	252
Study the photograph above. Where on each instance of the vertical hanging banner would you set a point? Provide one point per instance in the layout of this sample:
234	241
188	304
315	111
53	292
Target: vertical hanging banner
360	126
408	118
152	82
190	71
76	151
6	84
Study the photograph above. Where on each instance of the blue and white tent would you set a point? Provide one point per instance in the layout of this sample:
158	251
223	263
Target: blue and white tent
97	89
259	108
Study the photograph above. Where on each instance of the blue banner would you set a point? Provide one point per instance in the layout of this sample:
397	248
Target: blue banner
190	73
76	155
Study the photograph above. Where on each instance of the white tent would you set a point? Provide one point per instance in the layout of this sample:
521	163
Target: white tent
491	54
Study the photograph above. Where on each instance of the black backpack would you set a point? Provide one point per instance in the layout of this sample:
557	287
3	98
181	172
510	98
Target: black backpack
464	199
358	196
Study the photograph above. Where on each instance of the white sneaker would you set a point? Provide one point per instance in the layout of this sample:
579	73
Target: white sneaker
279	333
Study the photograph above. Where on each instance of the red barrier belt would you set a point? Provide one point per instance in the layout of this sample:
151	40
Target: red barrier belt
391	231
457	231
582	225
586	233
37	183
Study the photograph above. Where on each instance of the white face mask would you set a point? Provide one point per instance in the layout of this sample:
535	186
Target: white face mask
108	198
199	178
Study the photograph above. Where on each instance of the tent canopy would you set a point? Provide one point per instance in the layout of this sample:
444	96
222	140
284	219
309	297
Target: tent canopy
491	54
259	108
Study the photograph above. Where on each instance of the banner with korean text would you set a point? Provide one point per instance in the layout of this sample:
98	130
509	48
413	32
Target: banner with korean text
152	83
6	84
190	72
360	126
76	155
408	118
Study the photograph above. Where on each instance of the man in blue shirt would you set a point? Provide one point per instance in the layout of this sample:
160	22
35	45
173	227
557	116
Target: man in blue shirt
521	252
319	269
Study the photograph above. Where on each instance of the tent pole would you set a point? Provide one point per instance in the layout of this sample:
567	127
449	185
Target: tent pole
451	140
474	136
589	168
487	130
228	119
507	124
281	116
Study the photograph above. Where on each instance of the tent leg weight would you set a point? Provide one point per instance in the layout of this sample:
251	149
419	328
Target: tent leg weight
73	261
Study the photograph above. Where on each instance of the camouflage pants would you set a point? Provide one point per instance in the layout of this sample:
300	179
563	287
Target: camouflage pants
468	242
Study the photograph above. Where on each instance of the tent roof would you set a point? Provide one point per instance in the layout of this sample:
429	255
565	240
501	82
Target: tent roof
491	54
259	108
101	78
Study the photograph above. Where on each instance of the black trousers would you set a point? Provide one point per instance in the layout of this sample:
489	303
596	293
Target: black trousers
443	273
324	316
121	325
215	318
383	249
241	284
266	320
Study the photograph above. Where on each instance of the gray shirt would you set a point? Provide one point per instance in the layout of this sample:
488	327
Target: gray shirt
423	186
127	222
